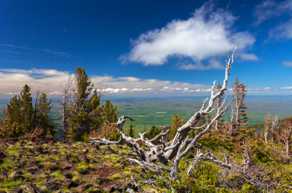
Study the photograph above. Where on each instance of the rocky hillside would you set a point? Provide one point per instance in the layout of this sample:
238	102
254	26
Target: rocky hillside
80	167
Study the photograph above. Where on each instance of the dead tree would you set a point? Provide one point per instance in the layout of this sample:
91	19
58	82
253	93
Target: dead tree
158	153
286	138
275	126
271	125
285	135
238	111
66	102
174	150
267	126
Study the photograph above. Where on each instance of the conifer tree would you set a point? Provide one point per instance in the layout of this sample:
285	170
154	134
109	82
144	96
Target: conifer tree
26	109
95	109
12	125
79	122
18	115
42	118
110	112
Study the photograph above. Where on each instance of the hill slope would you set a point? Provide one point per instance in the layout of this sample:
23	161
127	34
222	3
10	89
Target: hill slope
80	167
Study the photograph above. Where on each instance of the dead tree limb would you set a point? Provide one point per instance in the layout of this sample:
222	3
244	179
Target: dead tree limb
241	169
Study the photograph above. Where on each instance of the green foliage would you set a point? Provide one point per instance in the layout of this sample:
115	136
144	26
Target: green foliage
110	112
18	118
204	178
42	110
12	120
260	155
78	120
214	143
26	108
247	188
95	111
86	113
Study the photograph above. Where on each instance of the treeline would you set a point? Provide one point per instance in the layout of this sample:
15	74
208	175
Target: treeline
82	113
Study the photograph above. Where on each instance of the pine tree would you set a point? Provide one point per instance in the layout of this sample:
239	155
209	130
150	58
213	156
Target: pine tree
83	88
95	115
26	109
42	110
84	113
110	112
78	120
12	123
18	115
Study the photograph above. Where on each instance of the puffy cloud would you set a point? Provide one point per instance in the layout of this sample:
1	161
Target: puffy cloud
205	35
53	82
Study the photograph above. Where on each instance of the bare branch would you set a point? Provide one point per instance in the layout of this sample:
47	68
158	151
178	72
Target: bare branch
225	164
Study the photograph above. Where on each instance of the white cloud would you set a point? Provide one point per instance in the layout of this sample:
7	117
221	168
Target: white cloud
53	81
205	35
287	63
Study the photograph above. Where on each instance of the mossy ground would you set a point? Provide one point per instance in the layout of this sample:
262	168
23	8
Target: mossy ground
80	167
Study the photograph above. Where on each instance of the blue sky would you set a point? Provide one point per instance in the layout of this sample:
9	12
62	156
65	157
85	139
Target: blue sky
145	46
